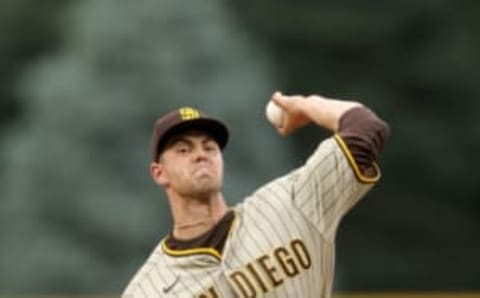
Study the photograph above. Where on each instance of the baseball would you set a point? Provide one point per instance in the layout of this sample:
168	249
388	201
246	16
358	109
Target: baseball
274	114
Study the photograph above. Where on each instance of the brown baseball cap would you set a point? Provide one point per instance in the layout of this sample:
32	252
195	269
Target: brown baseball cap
183	119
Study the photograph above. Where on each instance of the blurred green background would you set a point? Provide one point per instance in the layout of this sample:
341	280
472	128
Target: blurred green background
82	82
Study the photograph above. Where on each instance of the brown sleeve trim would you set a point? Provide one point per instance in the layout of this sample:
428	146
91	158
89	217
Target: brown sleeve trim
364	134
358	173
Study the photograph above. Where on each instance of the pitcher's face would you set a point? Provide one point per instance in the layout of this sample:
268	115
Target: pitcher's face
190	165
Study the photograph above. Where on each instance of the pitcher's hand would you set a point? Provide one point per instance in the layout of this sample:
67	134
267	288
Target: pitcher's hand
294	108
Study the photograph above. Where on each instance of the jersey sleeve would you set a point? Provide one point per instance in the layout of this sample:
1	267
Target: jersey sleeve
329	184
341	170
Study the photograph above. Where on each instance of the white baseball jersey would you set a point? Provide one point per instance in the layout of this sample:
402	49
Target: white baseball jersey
280	244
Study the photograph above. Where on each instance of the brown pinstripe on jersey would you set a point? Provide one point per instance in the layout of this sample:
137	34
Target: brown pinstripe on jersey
281	243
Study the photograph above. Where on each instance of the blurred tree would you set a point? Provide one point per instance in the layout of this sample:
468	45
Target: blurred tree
28	29
416	63
78	210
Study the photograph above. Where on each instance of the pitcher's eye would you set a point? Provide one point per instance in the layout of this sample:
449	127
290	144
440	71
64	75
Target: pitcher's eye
182	148
210	146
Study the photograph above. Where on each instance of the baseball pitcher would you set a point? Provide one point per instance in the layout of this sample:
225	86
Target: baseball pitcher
280	240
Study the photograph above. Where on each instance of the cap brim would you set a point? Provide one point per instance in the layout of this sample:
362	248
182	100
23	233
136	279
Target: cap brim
216	129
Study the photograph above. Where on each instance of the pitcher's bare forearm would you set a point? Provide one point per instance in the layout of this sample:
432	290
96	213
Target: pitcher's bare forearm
301	110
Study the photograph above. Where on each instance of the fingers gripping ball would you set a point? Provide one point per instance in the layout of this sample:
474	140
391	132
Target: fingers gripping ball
275	114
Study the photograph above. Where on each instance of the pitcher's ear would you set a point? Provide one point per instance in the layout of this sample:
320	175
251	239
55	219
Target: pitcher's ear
158	173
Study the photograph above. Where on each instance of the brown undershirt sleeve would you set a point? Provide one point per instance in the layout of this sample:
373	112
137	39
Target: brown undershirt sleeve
364	133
